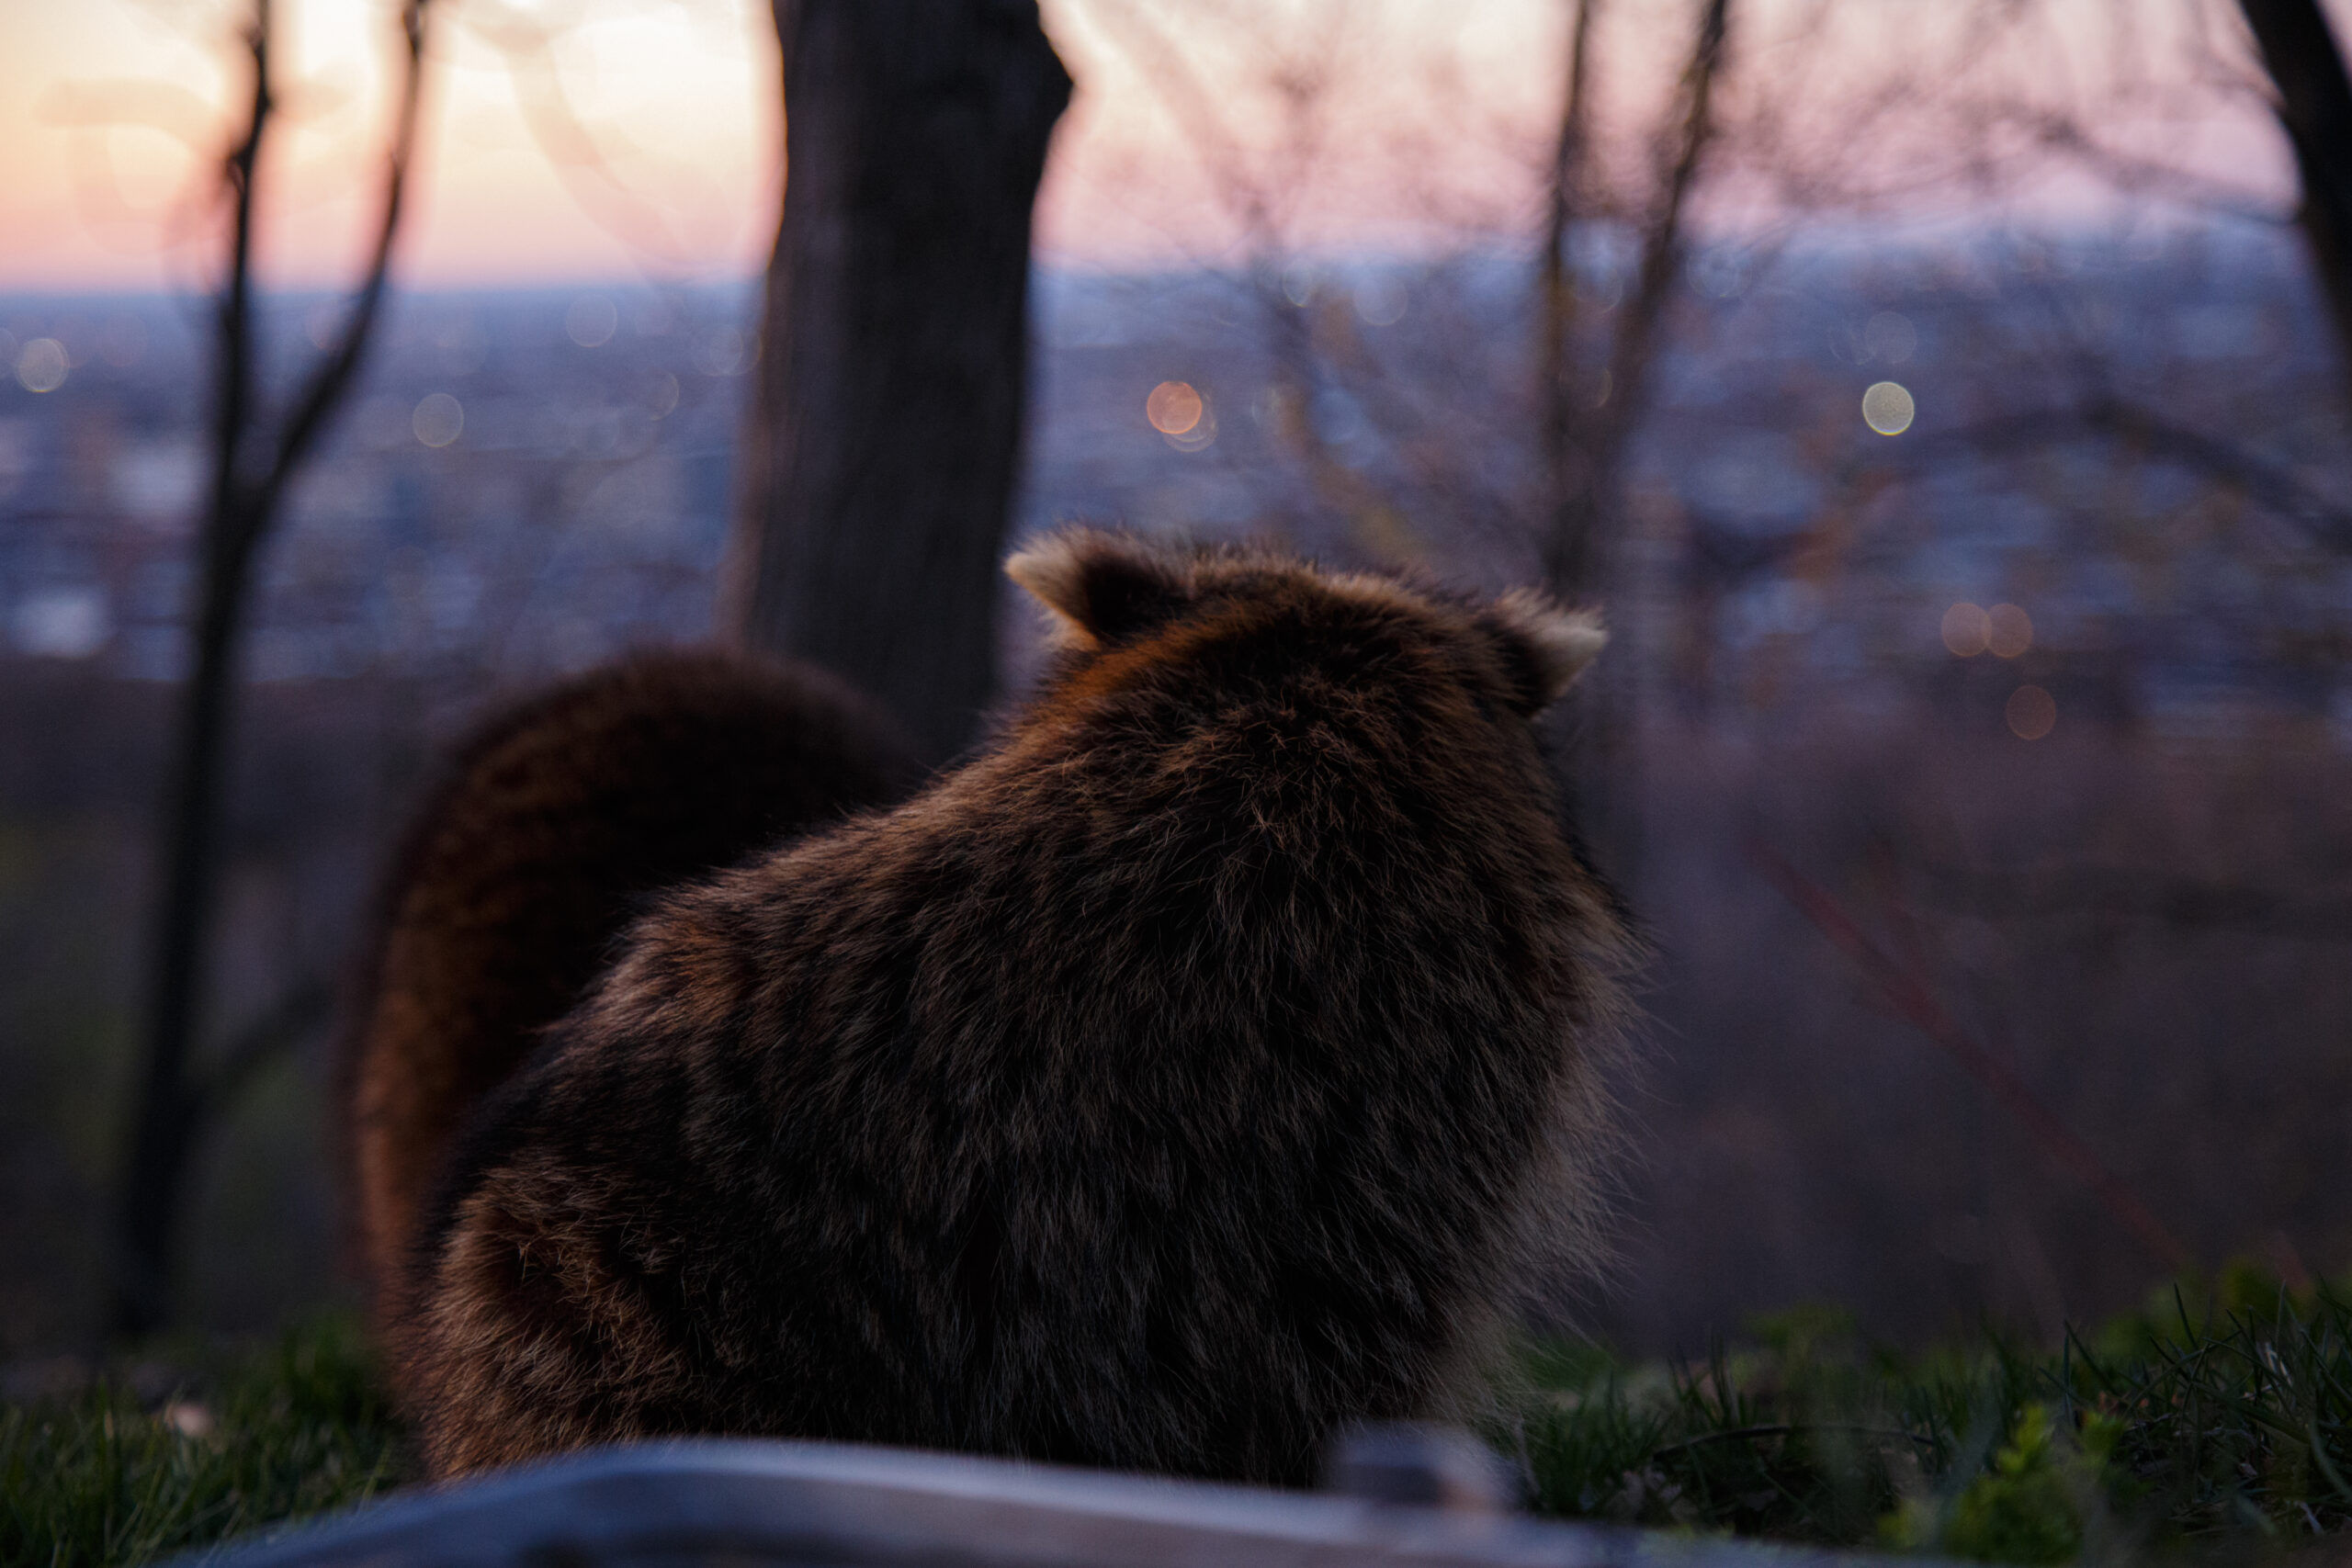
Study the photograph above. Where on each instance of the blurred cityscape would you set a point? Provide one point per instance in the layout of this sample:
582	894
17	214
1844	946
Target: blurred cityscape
2005	582
2134	443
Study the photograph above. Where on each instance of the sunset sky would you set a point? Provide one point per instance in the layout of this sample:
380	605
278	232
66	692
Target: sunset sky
111	113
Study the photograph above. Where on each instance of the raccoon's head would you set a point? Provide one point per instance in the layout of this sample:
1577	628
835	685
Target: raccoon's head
1162	610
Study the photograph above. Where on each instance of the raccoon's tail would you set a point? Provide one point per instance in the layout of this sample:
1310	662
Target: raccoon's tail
554	822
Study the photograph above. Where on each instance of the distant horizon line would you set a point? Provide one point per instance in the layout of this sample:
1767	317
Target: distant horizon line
1894	240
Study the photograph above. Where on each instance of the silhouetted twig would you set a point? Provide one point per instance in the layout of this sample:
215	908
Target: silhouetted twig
1909	994
1591	446
2270	485
250	473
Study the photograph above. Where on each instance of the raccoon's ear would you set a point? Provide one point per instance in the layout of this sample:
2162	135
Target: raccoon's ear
1100	588
1552	645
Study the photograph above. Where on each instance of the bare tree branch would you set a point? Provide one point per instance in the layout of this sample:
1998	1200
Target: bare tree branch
1592	458
249	479
1250	200
1260	203
583	160
1904	988
2270	485
331	378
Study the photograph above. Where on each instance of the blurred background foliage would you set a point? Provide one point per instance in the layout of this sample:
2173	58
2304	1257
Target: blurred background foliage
2201	1424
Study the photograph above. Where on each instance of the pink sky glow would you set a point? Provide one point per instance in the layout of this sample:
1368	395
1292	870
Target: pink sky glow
111	112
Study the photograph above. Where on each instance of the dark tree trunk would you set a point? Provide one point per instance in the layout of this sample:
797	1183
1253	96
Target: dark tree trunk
1562	393
1588	429
2315	107
880	453
174	1094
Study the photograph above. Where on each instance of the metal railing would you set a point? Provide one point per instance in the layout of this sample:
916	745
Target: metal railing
745	1503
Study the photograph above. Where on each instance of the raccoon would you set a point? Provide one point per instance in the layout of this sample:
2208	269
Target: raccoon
558	817
1186	1076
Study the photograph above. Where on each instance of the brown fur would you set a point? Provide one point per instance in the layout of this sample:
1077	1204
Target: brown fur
1174	1082
556	819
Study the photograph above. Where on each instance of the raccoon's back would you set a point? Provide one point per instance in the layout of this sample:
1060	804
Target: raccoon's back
556	819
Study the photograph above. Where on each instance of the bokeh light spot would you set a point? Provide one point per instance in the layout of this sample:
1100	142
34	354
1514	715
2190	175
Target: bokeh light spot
722	350
1887	408
1890	337
1967	629
2008	631
40	366
591	321
438	419
2033	713
1381	301
1173	408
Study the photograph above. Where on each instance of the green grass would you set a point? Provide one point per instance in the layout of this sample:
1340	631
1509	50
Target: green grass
2214	1423
100	1479
2214	1426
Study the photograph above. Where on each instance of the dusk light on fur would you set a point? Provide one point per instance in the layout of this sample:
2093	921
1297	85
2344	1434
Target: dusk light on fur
1202	1067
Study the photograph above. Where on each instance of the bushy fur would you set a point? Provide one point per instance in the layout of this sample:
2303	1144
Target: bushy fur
556	819
1166	1087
